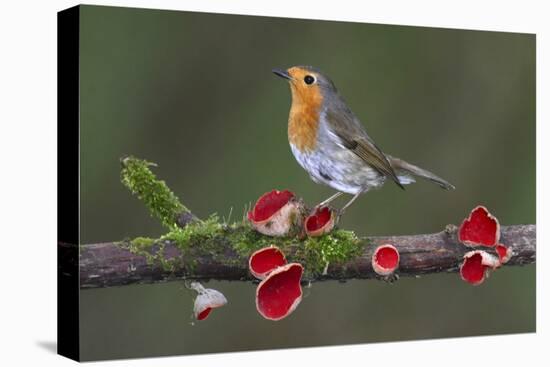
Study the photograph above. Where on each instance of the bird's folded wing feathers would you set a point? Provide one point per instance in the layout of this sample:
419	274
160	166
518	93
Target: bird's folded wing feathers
362	145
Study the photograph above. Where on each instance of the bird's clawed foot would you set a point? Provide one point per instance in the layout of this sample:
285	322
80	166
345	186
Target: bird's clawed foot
339	212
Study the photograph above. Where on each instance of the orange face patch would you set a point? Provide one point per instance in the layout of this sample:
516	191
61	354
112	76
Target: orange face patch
303	120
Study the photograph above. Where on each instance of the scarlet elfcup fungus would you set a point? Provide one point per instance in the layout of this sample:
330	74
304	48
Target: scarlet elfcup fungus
385	259
504	253
479	229
265	260
206	300
278	295
320	222
476	266
277	213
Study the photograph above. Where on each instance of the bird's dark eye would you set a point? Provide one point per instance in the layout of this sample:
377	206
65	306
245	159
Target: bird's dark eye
309	79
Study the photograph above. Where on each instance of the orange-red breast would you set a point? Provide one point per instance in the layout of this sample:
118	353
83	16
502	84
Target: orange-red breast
331	144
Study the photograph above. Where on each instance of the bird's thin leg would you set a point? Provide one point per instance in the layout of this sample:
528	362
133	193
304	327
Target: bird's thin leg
349	203
325	202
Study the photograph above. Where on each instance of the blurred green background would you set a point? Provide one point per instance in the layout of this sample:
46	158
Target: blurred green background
194	92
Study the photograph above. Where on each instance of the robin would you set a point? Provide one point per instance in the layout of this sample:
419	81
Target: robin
331	144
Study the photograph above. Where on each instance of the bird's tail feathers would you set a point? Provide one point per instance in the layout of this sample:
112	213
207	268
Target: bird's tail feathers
405	169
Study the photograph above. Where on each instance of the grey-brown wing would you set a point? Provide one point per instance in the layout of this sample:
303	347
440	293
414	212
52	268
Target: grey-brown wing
354	138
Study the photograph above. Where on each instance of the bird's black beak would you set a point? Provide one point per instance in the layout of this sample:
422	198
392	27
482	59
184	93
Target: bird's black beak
281	73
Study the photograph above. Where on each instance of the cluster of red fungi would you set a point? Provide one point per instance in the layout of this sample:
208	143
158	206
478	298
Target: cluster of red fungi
481	229
280	290
282	214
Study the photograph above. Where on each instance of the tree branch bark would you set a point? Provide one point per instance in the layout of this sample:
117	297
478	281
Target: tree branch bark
110	264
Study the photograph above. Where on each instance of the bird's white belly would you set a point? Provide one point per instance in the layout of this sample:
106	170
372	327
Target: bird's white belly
338	169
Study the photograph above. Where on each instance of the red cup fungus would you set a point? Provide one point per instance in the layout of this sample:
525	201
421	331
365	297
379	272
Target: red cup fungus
479	229
385	259
278	295
476	266
206	300
322	221
504	253
265	260
277	213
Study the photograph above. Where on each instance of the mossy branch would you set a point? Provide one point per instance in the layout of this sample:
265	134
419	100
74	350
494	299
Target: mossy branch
212	249
219	255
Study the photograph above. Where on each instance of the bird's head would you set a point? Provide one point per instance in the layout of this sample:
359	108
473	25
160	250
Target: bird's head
307	84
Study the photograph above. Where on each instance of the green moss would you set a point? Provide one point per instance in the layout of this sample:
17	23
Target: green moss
143	242
318	253
155	194
194	232
246	240
235	243
315	254
153	251
142	246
